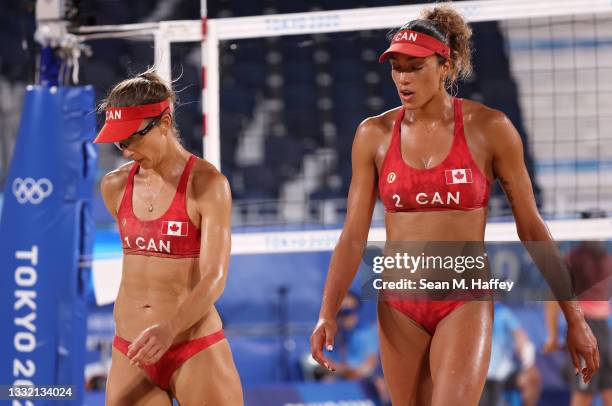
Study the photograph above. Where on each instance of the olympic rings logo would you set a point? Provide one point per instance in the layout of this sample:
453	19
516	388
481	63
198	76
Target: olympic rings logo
32	191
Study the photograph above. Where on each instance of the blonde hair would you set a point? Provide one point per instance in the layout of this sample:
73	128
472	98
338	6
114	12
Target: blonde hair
143	88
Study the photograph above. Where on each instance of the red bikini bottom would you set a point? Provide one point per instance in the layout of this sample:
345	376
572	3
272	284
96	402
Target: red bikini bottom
162	370
426	313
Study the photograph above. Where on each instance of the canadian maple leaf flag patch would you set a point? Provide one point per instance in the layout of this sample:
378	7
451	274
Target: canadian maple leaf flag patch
176	228
454	176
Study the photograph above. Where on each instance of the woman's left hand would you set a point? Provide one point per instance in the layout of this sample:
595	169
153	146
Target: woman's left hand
150	345
581	344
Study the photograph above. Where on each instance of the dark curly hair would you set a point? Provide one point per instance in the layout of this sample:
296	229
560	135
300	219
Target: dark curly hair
447	26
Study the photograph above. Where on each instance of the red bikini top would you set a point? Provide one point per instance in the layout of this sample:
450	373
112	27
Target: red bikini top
173	235
455	184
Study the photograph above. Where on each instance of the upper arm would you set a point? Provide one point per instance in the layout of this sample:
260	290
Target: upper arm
509	167
111	186
362	191
214	202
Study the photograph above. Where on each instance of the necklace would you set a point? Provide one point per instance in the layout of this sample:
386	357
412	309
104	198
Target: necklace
154	197
428	162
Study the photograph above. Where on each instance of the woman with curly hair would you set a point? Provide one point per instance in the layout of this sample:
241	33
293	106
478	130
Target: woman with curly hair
432	161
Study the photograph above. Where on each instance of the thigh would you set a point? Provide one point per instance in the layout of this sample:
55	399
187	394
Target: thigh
127	385
424	391
460	352
403	352
208	378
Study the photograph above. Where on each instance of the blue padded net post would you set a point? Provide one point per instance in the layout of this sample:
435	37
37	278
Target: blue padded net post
46	234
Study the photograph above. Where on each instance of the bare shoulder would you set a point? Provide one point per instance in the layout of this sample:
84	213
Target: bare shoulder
115	180
480	115
208	182
492	126
486	118
378	125
112	186
375	130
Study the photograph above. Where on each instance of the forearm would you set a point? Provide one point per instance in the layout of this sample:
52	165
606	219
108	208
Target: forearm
547	257
342	269
199	302
572	311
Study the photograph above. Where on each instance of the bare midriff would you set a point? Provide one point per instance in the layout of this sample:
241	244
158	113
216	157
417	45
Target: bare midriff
449	225
151	291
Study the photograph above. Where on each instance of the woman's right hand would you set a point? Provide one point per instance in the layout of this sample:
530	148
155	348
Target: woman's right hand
323	334
349	249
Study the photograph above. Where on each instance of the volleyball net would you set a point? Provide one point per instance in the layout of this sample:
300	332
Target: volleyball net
291	99
284	93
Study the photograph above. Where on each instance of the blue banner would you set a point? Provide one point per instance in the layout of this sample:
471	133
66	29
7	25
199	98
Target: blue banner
46	232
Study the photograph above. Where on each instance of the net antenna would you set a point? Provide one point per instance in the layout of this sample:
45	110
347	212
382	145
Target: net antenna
210	31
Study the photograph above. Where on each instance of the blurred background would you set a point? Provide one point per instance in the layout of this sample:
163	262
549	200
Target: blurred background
289	107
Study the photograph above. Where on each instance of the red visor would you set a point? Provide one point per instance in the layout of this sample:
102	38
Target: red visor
414	43
121	122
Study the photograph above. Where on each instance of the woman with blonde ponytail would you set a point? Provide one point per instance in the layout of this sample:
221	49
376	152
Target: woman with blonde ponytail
432	161
173	212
